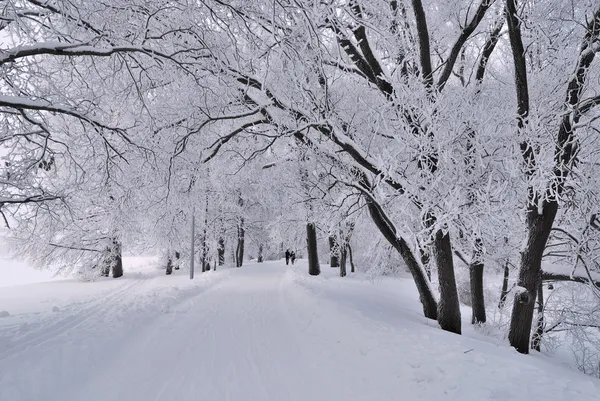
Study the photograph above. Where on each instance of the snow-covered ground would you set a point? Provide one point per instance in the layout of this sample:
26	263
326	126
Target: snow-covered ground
13	272
262	332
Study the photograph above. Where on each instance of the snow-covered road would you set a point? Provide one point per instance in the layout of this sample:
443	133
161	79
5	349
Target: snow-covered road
262	332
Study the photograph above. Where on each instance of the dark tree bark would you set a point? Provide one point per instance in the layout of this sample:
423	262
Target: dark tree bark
541	218
334	260
504	292
382	222
221	251
547	276
477	297
205	262
449	306
311	242
239	254
169	266
352	268
343	257
476	284
536	341
260	253
538	227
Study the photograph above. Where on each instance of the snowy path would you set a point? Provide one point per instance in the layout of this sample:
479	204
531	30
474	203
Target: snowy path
265	333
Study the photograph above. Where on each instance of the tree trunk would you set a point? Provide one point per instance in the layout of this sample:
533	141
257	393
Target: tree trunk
476	284
260	253
352	269
344	253
334	260
239	255
205	261
449	306
504	292
169	266
106	264
538	231
425	293
311	245
221	251
177	260
204	252
536	341
477	297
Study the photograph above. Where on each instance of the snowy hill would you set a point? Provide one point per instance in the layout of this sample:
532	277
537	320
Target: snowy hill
262	332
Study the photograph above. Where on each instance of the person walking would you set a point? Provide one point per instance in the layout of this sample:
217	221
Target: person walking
287	257
293	256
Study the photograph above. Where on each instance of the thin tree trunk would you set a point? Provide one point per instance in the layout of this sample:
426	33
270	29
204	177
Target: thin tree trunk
177	260
311	242
204	239
240	245
536	341
449	306
352	268
344	253
334	260
204	251
260	253
476	284
221	251
169	266
504	292
425	293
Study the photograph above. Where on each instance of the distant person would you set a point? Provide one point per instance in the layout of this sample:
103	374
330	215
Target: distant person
287	257
293	256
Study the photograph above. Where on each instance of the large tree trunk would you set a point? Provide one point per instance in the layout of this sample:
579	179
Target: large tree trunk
448	306
477	297
539	226
239	254
221	251
334	260
536	341
422	282
311	245
504	292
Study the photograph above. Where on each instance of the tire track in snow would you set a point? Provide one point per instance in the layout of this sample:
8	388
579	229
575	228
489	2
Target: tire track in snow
76	318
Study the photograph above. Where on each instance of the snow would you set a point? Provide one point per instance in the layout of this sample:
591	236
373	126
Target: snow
13	272
261	332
